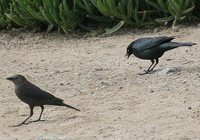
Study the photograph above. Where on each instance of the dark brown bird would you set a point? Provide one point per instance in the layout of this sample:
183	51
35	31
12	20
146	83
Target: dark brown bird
34	96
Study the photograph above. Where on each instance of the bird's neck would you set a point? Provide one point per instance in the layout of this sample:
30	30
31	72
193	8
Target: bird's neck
17	85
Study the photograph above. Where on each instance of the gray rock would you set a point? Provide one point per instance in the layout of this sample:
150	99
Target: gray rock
50	137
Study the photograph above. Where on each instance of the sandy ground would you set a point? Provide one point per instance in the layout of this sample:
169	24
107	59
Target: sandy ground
93	74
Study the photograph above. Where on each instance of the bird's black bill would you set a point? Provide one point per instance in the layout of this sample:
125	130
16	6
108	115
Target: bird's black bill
127	55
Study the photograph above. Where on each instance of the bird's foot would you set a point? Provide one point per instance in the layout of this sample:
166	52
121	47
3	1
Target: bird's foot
37	120
25	123
145	72
18	125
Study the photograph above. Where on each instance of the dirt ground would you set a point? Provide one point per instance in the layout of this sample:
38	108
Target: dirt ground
93	74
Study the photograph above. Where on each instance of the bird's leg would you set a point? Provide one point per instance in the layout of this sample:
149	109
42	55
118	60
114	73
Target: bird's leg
42	107
148	70
39	119
157	61
31	114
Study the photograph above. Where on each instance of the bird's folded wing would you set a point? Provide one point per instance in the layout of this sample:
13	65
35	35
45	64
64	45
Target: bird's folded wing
150	42
33	92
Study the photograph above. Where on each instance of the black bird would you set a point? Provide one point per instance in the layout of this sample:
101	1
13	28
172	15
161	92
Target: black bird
152	48
34	96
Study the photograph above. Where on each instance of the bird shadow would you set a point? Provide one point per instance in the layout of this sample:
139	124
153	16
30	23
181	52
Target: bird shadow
72	117
193	69
34	121
146	73
156	71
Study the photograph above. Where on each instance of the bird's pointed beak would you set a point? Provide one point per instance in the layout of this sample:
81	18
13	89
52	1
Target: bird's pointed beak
127	55
10	78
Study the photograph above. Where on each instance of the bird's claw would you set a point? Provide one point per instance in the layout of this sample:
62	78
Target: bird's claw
18	125
37	120
26	123
142	73
145	72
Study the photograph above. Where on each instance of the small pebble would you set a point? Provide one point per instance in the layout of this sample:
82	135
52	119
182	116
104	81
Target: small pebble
61	84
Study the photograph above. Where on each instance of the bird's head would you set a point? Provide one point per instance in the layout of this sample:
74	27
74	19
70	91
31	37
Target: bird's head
17	79
129	51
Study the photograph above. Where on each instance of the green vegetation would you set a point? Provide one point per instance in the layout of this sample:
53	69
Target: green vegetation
106	16
175	10
4	8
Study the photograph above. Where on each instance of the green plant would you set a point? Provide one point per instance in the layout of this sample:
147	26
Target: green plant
96	16
53	13
175	10
61	13
125	12
94	21
25	12
90	11
4	8
118	13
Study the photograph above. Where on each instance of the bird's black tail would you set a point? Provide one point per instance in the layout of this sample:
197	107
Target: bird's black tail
173	45
63	104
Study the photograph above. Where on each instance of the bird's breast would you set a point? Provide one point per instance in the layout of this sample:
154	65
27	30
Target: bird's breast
20	95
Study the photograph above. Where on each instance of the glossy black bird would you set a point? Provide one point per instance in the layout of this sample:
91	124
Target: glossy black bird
34	96
152	48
